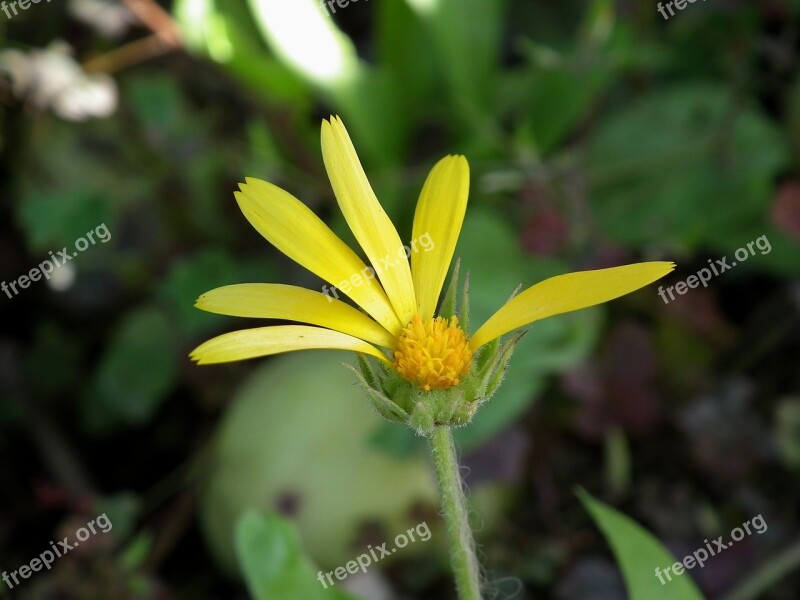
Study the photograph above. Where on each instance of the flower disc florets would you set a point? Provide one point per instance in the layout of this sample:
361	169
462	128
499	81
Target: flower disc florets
435	354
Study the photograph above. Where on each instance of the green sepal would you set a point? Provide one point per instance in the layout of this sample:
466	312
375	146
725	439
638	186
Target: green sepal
463	309
438	408
494	371
485	356
371	378
448	307
422	419
383	405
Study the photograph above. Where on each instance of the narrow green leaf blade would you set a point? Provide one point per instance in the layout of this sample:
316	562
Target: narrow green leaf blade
639	553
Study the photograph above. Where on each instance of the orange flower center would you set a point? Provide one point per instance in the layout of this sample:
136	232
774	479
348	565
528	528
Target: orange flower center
434	354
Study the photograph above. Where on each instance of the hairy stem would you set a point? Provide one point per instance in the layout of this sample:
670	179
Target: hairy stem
451	491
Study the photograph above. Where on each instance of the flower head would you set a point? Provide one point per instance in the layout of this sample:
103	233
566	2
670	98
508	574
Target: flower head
422	356
434	354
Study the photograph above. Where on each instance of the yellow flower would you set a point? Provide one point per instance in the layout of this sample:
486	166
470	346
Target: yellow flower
397	322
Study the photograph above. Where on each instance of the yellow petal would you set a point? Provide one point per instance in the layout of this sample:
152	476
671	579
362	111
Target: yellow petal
566	293
295	230
277	301
367	219
263	341
439	216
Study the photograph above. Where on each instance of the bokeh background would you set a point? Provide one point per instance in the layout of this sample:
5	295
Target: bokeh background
598	133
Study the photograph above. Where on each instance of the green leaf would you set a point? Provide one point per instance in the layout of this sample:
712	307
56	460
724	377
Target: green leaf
123	509
158	104
135	374
704	153
273	564
136	552
556	91
404	51
66	188
52	218
558	99
224	32
328	62
639	554
467	36
199	273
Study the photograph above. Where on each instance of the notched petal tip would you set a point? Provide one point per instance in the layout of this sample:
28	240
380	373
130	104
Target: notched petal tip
328	125
201	302
367	219
668	265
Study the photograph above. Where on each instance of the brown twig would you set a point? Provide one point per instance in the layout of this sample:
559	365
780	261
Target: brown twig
127	55
166	37
157	20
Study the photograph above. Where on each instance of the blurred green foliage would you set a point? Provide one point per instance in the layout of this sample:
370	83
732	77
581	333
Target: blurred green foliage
273	563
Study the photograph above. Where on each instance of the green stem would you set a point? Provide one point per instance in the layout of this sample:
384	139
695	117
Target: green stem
454	506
